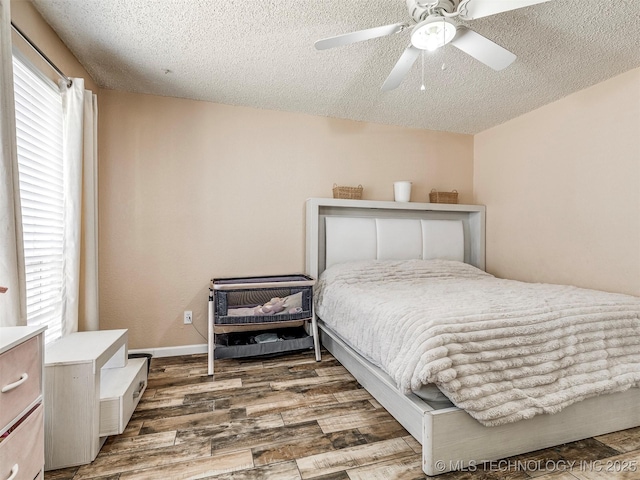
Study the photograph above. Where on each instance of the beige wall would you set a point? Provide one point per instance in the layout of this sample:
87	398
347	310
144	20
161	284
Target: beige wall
191	190
562	189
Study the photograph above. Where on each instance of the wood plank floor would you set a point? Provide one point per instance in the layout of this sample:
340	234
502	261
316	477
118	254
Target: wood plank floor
290	417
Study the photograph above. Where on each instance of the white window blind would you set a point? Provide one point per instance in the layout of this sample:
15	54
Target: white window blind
40	166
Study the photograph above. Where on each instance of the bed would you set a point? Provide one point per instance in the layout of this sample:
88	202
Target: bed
340	231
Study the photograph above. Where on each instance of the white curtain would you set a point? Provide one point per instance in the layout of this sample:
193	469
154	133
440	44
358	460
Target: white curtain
13	302
88	308
80	270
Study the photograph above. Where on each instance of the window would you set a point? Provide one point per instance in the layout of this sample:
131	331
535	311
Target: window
40	167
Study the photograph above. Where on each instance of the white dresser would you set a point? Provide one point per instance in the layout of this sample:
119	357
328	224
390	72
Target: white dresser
92	389
21	409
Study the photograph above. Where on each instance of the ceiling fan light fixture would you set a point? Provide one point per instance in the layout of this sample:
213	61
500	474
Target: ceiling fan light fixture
433	33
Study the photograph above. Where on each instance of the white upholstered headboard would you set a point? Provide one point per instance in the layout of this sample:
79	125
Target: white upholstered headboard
343	230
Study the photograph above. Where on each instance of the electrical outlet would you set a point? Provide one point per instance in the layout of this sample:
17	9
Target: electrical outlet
188	317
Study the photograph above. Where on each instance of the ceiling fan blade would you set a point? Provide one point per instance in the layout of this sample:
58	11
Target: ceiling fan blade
359	36
482	49
402	67
483	8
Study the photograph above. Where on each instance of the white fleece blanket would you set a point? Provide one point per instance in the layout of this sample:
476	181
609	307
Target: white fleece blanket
500	349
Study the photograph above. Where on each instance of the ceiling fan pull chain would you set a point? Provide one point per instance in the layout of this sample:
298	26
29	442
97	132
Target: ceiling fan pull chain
422	87
444	53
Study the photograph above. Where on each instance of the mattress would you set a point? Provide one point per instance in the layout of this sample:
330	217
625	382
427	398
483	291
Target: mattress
500	349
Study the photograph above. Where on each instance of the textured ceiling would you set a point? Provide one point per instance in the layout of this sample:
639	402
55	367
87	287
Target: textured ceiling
260	54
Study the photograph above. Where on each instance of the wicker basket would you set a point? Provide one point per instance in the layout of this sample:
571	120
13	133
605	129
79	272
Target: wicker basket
354	193
443	197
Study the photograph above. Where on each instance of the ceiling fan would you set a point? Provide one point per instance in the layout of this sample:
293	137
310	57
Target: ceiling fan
434	29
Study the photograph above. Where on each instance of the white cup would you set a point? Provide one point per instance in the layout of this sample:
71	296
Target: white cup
402	191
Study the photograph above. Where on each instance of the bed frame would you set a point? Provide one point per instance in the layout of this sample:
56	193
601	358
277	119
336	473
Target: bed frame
451	439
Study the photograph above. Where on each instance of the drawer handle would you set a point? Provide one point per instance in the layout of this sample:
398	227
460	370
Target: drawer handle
136	394
16	384
14	472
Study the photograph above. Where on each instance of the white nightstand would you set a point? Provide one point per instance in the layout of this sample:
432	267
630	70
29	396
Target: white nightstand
91	390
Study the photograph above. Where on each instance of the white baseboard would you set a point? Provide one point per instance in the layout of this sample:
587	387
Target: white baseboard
173	351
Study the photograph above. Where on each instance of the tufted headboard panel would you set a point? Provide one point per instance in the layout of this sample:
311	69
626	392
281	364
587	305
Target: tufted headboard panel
356	238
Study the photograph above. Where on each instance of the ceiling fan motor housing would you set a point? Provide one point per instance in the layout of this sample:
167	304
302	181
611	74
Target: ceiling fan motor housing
419	10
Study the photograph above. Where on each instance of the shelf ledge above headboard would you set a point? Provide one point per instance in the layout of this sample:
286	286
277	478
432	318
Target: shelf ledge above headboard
317	209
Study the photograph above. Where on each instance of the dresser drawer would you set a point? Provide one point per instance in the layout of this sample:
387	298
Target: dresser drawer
23	449
20	379
120	392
